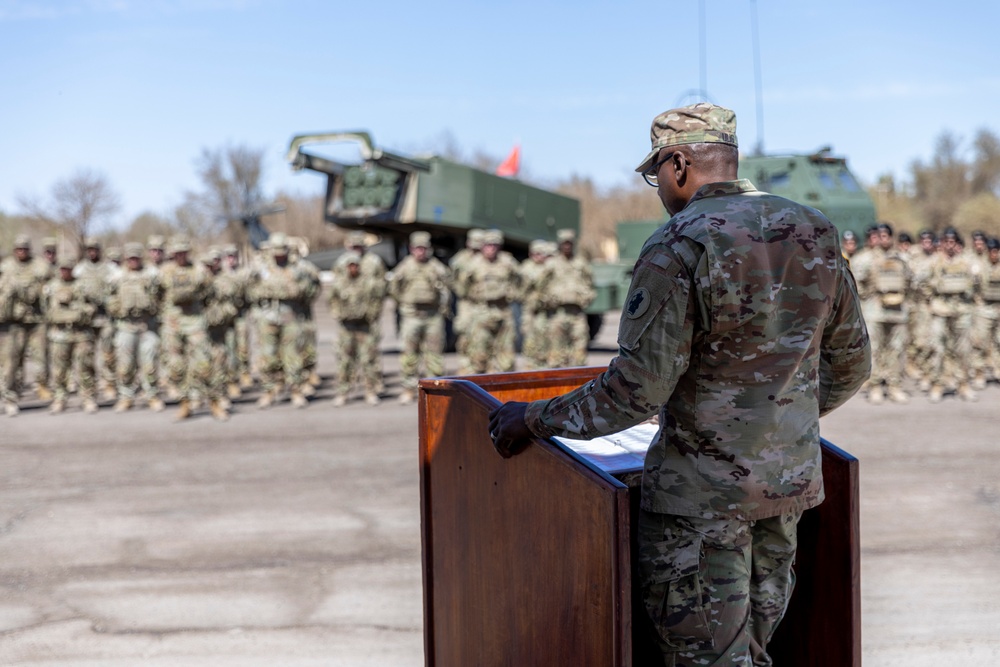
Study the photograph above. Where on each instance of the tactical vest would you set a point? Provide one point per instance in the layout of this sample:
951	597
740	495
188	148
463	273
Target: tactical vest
134	297
890	281
491	282
182	285
63	307
24	291
954	279
421	287
991	290
354	300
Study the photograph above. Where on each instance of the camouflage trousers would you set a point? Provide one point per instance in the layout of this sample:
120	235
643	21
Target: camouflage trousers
67	344
951	348
40	352
460	327
106	352
983	338
281	354
310	336
716	589
568	336
15	352
137	351
238	349
356	348
186	357
422	336
218	360
888	343
534	336
490	344
919	348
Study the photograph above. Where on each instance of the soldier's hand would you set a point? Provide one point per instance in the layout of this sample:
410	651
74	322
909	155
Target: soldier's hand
508	430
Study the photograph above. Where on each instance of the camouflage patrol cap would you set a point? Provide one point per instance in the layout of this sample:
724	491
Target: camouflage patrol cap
848	235
278	243
49	243
211	256
493	237
475	239
114	253
180	244
700	123
156	242
230	250
66	263
551	248
564	235
133	251
22	241
354	239
420	240
537	246
349	257
91	242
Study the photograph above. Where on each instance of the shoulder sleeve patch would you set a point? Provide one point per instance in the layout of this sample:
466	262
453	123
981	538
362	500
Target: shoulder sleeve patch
653	285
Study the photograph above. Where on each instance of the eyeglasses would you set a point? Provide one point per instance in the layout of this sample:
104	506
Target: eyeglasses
650	174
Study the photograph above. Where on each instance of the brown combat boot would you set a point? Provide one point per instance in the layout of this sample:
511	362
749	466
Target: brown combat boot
966	394
265	400
156	404
44	393
936	394
246	381
218	411
875	396
406	397
298	400
123	405
371	398
183	410
233	391
57	407
89	406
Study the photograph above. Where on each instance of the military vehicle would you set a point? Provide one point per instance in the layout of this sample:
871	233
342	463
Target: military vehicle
393	195
819	180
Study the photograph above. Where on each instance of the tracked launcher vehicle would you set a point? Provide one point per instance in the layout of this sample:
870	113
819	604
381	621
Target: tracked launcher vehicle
392	195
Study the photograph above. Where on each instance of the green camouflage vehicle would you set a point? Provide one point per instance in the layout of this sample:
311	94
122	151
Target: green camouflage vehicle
819	180
393	195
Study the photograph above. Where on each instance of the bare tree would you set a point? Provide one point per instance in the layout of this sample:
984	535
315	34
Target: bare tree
232	201
78	205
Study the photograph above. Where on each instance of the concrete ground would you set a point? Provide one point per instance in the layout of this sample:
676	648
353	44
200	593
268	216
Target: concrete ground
292	537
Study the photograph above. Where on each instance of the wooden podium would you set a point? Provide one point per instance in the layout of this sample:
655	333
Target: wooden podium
528	561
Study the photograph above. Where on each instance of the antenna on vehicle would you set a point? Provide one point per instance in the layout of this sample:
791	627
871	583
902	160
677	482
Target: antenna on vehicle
758	86
694	95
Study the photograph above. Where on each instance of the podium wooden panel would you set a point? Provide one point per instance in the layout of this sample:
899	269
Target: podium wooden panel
528	561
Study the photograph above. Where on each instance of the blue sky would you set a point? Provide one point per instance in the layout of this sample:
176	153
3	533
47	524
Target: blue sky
136	89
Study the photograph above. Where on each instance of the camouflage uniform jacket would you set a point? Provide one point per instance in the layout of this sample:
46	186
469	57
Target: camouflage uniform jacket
67	309
284	293
567	282
135	295
495	283
94	278
742	326
357	299
420	286
952	284
185	289
21	288
884	281
531	293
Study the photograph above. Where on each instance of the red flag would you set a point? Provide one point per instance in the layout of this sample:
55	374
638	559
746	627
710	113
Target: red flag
512	164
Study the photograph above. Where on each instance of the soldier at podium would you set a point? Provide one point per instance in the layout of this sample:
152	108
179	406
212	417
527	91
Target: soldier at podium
741	327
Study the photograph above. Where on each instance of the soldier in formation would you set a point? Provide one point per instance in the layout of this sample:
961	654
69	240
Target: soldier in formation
68	314
95	274
420	285
492	284
567	288
356	301
22	279
134	303
534	314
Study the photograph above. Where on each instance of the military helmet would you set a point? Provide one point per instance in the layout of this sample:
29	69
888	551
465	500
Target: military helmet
91	242
279	243
564	235
114	253
354	239
493	237
474	240
49	243
66	262
156	242
22	241
180	244
349	257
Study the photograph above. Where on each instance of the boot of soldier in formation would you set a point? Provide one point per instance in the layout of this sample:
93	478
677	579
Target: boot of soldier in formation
218	411
123	405
183	410
298	399
57	406
233	391
875	395
897	395
966	393
406	397
156	404
44	393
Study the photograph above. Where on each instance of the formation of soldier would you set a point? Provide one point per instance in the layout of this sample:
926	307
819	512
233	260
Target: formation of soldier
932	310
159	325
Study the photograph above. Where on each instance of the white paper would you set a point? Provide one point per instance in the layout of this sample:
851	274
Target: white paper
620	451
